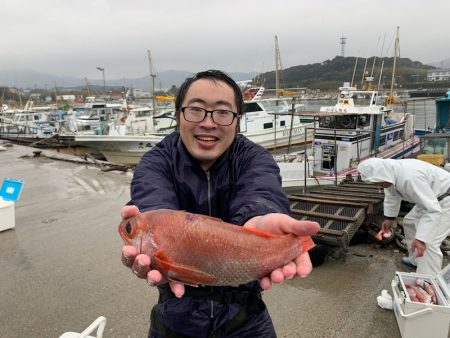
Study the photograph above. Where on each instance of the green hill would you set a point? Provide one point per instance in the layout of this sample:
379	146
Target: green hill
330	74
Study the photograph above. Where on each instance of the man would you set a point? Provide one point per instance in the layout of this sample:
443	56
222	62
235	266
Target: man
207	168
428	223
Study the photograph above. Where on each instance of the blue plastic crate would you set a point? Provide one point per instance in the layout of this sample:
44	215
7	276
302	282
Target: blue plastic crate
11	189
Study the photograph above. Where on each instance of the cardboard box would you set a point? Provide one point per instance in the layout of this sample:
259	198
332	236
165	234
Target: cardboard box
419	320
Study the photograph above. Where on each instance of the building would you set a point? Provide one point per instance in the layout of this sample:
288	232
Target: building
438	74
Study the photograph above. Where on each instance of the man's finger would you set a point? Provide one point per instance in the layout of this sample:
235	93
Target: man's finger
289	270
129	211
265	283
141	266
304	265
129	254
154	278
177	289
305	228
277	276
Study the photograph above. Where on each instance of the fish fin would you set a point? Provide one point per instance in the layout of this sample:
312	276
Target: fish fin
307	243
180	272
258	232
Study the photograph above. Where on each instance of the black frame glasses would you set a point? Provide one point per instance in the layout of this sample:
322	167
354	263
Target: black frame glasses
193	115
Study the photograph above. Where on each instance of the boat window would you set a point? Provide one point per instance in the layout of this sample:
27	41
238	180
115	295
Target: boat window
306	119
268	125
327	122
143	113
276	106
346	122
282	123
382	140
400	134
363	120
396	135
251	106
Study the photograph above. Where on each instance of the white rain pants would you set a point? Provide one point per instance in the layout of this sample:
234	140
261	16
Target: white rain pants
431	262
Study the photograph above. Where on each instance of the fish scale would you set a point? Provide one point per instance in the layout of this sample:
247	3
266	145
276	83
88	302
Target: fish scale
201	250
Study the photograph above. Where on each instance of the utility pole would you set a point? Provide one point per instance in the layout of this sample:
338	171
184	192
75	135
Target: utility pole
343	42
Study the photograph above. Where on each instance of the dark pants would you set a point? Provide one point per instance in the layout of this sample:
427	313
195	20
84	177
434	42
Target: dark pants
203	318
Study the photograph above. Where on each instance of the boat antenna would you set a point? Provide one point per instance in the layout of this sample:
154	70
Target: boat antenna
354	70
374	58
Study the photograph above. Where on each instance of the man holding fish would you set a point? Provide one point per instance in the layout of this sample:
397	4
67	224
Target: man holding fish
207	168
428	223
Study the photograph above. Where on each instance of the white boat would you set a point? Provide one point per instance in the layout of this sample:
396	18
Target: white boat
267	122
94	118
130	136
28	122
351	131
274	122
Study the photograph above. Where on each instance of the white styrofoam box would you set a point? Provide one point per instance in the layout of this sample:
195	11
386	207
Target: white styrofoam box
418	320
7	215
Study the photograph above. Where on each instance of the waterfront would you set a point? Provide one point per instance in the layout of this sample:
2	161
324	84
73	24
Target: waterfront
61	265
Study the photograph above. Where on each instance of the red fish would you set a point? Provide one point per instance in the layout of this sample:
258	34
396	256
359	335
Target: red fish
201	250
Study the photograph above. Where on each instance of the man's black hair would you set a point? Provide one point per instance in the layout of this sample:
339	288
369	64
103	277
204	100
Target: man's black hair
215	75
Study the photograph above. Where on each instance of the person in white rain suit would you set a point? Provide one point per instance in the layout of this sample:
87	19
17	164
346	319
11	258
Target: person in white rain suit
428	223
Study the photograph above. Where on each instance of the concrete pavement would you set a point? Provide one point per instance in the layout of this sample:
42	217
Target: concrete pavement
60	267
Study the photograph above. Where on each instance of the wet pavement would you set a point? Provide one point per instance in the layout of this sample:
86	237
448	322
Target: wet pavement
60	266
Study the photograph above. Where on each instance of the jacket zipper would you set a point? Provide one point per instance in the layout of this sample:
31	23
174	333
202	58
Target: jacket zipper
208	178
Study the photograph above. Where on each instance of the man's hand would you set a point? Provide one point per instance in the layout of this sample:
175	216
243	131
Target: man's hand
281	224
387	224
418	247
140	263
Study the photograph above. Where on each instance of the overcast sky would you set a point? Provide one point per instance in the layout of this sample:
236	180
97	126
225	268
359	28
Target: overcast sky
73	37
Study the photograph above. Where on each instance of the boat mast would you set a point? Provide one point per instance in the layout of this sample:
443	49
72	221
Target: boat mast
87	86
56	93
152	80
354	70
277	67
396	49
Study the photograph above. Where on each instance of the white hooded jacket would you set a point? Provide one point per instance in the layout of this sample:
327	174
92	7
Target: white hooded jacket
412	180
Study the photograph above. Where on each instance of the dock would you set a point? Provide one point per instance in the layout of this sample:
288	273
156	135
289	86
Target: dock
60	266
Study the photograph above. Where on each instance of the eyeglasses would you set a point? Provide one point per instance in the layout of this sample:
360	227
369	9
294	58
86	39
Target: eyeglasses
219	116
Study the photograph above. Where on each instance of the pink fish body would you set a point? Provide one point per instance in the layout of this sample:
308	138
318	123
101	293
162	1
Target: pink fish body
197	249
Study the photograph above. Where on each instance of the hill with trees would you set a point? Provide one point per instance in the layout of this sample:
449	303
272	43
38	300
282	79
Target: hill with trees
330	74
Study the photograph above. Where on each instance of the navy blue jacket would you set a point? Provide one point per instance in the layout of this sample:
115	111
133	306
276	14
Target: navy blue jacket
244	182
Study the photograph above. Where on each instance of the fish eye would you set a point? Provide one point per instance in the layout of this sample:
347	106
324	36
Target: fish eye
128	228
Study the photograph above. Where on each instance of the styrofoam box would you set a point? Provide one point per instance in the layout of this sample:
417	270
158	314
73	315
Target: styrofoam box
419	320
7	215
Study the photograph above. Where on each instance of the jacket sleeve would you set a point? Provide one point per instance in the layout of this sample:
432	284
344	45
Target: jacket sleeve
392	203
152	187
258	188
431	210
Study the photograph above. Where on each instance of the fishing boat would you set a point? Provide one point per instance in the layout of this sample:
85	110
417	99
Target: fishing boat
355	128
274	122
264	121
